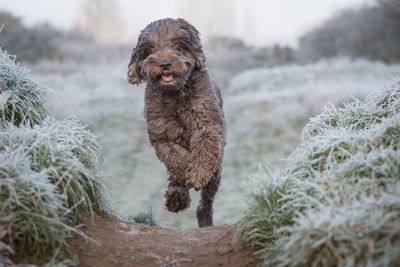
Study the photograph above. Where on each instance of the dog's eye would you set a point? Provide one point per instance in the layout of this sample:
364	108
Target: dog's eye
145	50
179	48
181	44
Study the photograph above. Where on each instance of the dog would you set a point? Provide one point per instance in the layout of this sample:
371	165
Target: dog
183	112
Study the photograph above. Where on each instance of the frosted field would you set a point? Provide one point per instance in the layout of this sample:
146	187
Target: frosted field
265	109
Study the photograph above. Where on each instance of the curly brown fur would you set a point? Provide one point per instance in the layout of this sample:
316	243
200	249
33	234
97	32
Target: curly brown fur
177	196
183	111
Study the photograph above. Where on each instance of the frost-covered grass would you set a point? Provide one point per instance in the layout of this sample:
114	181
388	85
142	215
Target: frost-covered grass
265	108
144	218
338	203
49	171
68	154
22	100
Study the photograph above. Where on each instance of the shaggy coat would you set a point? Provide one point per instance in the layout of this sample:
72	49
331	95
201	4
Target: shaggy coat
183	111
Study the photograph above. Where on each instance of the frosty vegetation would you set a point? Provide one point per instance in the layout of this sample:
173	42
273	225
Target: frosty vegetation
22	100
49	170
338	201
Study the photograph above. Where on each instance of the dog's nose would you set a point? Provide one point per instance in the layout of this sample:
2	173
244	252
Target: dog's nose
165	64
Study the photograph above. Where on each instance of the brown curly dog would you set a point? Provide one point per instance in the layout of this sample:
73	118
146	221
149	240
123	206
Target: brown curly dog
183	111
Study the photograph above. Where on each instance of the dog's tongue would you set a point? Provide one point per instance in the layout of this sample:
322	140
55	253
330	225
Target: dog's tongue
167	78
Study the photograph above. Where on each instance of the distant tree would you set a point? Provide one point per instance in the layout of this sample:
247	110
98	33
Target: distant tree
206	16
30	44
371	32
101	19
390	13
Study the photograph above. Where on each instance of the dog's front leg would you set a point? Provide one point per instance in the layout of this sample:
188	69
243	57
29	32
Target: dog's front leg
205	152
174	157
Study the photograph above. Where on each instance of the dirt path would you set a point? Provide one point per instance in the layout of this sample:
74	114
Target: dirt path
131	244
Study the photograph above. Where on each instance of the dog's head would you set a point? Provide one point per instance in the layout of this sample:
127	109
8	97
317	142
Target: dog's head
167	52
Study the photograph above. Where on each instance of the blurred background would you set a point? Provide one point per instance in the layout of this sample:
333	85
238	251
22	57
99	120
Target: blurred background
277	62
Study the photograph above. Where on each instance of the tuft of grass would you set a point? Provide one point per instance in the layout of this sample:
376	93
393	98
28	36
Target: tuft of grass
48	178
22	100
338	204
68	153
144	218
30	206
49	172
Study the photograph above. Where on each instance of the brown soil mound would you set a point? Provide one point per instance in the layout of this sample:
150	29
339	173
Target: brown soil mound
130	244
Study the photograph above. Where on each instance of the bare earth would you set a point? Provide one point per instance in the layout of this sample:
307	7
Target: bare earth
130	244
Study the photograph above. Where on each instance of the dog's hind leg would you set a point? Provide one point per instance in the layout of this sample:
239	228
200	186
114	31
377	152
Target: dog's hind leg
177	195
205	208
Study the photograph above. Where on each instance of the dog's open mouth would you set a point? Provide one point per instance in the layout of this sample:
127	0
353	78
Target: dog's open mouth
167	77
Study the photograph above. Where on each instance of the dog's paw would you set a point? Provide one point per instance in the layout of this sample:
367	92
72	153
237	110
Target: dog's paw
177	198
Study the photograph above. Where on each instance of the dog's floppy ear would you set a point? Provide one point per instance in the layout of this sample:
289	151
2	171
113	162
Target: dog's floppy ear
199	57
134	74
197	50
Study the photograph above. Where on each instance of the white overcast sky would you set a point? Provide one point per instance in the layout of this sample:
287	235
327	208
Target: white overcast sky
259	22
